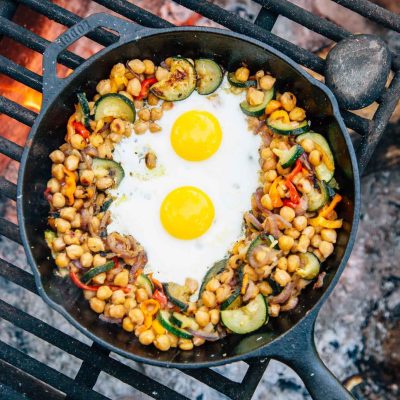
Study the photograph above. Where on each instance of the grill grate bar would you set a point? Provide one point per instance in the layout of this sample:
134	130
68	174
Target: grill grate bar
135	13
35	42
14	110
266	19
8	188
47	374
20	74
10	149
305	18
240	25
372	11
17	275
10	230
355	122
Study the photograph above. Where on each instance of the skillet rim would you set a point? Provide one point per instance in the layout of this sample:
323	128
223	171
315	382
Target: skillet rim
141	34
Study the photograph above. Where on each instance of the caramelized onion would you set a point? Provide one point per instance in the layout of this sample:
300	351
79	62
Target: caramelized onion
211	337
283	296
109	319
290	304
252	220
320	281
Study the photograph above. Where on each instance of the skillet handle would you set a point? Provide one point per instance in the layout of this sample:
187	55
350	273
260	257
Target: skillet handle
297	350
50	80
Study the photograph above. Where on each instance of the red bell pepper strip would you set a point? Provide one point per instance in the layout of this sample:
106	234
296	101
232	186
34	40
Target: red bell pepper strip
80	129
289	203
116	261
160	297
144	91
47	194
297	168
77	282
294	194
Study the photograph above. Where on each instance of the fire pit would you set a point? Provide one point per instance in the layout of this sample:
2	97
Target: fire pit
21	99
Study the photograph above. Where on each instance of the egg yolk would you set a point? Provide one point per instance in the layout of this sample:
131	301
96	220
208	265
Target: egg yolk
187	212
196	135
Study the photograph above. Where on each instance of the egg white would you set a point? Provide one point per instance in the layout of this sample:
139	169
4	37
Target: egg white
229	177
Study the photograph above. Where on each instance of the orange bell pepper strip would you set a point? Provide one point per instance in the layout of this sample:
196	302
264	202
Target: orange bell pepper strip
149	309
326	223
77	282
327	209
245	284
70	186
274	194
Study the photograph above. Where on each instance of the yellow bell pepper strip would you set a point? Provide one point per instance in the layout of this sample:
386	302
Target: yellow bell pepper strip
149	309
158	328
245	284
331	206
70	186
280	114
274	194
326	223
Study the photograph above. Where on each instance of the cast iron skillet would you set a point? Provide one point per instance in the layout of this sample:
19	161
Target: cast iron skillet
288	338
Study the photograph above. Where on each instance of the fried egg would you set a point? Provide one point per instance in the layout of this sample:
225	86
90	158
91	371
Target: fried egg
187	212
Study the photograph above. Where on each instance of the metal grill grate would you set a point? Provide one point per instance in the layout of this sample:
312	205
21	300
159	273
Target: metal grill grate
21	373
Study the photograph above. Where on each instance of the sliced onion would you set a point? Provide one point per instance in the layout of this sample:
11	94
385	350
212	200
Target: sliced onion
109	319
140	263
105	220
271	226
104	127
90	151
252	220
249	291
306	163
320	281
78	265
283	296
301	208
290	304
211	337
283	221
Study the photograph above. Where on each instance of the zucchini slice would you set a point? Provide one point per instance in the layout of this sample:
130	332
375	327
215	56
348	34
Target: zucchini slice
145	282
234	82
88	276
233	301
217	268
333	183
164	317
114	169
309	266
326	169
288	157
83	103
114	105
180	83
257	111
248	318
182	321
318	197
177	294
209	75
292	128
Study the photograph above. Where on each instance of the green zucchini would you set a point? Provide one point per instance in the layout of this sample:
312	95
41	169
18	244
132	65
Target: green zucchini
234	82
145	282
177	294
180	83
106	205
257	111
233	301
309	266
49	236
83	103
182	321
326	169
292	128
89	275
209	75
288	157
318	196
248	318
114	169
333	183
217	268
114	105
164	317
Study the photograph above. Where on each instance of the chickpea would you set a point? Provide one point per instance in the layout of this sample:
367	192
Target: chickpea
281	277
104	87
62	225
198	341
77	142
319	255
162	342
213	284
209	299
259	74
96	140
121	279
222	293
76	222
100	278
288	101
267	202
303	244
285	242
117	311
202	318
71	238
152	99
58	200
315	158
136	316
270	175
74	251
95	244
297	114
118	70
118	297
272	106
269	164
57	156
329	235
162	73
308	145
316	241
304	185
97	305
185	344
274	310
140	127
287	213
172	339
292	232
137	66
98	260
309	231
86	260
144	114
214	316
72	163
254	97
267	82
293	263
226	276
141	295
127	324
300	222
326	248
266	153
251	272
150	160
118	126
138	104
68	213
104	183
265	288
167	105
281	170
154	128
283	263
58	244
134	87
146	337
104	293
149	67
192	285
86	177
267	187
53	185
62	260
156	113
242	74
57	170
168	61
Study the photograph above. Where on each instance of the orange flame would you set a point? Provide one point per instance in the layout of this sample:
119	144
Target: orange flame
32	100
